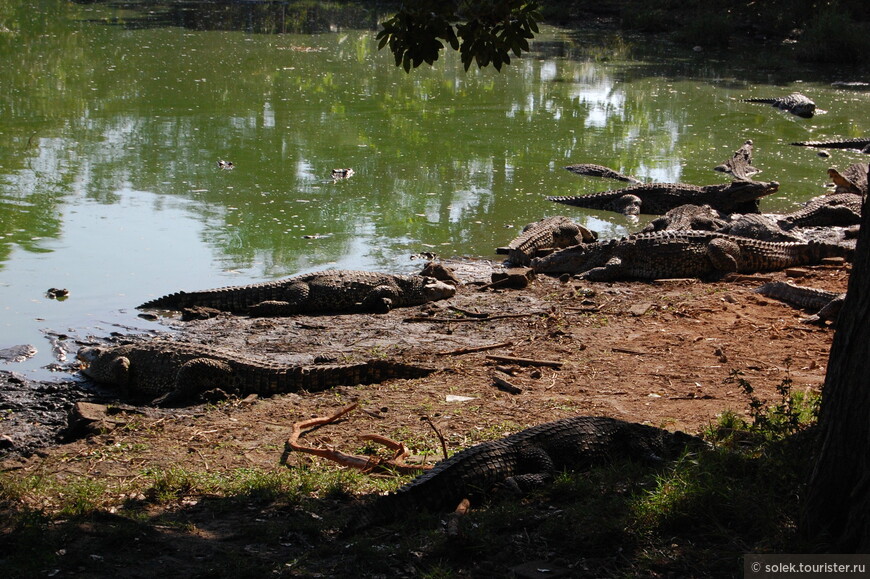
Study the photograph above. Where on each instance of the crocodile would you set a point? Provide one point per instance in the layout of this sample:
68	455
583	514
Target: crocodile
795	103
169	372
740	164
549	233
861	144
836	209
677	254
590	170
522	461
659	198
685	217
321	292
761	226
825	303
853	179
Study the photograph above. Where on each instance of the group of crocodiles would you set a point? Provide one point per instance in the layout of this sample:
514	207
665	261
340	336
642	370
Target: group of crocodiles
701	234
171	372
702	231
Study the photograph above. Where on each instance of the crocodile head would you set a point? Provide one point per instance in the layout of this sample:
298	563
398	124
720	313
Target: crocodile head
101	365
741	196
569	260
435	289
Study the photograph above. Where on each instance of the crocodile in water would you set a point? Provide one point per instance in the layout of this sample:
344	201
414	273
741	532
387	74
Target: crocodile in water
171	372
826	304
740	164
795	103
677	254
861	144
549	233
322	292
659	198
590	170
523	461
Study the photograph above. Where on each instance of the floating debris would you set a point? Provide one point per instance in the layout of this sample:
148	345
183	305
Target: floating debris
227	165
341	174
54	293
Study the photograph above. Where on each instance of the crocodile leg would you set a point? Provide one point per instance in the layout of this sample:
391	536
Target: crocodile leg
381	299
724	254
195	377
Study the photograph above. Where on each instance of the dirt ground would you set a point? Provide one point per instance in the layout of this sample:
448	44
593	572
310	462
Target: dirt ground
658	353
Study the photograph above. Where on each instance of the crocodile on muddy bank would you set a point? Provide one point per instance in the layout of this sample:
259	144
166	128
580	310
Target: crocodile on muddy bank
825	304
171	372
322	292
548	233
523	461
658	198
678	254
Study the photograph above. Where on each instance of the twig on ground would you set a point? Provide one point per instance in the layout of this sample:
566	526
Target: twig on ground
439	435
504	384
486	319
526	361
364	463
472	349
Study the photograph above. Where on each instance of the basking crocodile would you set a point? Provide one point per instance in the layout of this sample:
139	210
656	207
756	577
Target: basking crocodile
171	372
853	179
861	144
590	170
795	103
322	292
826	304
549	233
836	209
659	198
759	226
676	254
685	217
740	164
524	460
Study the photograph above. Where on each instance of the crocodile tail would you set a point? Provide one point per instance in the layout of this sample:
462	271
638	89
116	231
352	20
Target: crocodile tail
221	299
767	101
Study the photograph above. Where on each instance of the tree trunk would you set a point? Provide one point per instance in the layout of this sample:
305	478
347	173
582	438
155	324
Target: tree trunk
837	512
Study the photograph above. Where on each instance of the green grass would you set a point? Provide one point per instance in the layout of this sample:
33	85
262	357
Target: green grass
695	516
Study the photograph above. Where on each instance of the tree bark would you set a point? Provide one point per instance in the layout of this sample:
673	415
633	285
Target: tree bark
837	510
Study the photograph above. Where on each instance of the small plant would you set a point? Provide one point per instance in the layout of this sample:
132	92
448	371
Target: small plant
793	412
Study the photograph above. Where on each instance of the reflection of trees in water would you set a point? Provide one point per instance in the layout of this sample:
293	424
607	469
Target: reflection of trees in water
261	17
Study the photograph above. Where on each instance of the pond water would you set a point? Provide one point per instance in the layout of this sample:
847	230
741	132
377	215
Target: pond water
113	121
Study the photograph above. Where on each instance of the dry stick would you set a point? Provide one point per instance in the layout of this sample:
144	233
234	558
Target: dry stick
472	349
627	351
438	434
364	463
506	386
486	319
526	361
468	313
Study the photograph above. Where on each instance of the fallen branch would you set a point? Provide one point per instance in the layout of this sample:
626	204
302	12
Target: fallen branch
440	437
507	386
486	319
472	349
627	351
364	463
526	361
468	313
